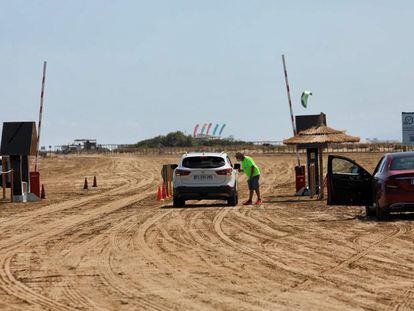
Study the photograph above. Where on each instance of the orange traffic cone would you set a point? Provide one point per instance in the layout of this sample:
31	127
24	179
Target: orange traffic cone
85	185
95	184
42	193
164	191
159	194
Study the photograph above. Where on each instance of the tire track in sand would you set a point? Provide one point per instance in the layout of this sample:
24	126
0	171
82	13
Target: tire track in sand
399	230
16	288
252	252
155	234
113	279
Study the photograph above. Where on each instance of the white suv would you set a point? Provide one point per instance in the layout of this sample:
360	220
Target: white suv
205	176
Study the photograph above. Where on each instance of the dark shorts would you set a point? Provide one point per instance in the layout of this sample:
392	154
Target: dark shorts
253	182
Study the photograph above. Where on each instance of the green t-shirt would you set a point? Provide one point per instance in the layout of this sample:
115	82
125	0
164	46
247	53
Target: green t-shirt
247	164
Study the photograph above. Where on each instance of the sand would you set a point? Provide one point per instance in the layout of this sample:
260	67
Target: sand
116	248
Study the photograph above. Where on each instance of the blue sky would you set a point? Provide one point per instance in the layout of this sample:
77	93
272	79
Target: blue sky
121	71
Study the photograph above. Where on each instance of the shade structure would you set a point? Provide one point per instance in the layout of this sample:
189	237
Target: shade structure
318	137
321	135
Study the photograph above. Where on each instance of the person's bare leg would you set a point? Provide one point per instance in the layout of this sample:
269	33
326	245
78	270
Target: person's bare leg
258	194
251	195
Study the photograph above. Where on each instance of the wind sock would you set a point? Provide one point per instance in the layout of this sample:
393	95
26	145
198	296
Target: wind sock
195	130
203	128
215	129
222	128
209	127
304	98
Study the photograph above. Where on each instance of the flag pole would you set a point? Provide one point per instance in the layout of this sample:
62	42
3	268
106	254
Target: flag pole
290	105
40	113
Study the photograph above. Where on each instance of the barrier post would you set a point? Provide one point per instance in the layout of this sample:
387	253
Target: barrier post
3	185
312	180
320	197
11	185
290	106
3	177
40	114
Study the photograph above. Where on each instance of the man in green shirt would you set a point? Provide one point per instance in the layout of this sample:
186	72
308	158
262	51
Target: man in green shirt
252	172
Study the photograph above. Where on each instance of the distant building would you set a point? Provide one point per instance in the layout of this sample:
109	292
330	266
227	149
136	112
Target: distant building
408	128
86	144
79	145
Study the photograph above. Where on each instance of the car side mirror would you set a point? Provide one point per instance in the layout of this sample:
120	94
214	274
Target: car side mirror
173	166
236	166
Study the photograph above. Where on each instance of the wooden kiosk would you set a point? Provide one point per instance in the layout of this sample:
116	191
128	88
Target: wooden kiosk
314	139
18	142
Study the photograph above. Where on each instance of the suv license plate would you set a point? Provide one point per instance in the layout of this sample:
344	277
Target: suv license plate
203	177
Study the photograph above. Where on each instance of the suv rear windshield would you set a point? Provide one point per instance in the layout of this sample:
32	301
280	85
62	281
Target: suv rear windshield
203	162
405	163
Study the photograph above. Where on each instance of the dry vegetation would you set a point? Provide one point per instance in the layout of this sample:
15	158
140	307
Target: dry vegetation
116	248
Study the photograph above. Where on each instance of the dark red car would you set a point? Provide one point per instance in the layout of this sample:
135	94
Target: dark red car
390	188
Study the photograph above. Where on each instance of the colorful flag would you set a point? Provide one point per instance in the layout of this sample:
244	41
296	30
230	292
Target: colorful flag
304	98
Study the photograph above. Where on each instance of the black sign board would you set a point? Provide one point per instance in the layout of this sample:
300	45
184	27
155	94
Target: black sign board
308	121
19	138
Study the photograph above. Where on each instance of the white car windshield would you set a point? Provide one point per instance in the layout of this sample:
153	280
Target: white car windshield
203	162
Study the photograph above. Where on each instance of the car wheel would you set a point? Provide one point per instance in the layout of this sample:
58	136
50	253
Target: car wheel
381	213
233	200
370	211
177	202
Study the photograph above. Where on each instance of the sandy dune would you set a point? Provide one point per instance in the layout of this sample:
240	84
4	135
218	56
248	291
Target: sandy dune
116	248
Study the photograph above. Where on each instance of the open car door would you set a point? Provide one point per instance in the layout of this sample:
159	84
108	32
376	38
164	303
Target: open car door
348	183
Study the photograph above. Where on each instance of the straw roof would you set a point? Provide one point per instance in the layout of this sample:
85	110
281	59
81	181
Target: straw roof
320	135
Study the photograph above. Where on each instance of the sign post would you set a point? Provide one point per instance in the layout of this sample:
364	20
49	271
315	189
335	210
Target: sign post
408	128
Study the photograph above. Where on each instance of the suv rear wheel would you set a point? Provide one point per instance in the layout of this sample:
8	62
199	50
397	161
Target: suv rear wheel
233	200
177	202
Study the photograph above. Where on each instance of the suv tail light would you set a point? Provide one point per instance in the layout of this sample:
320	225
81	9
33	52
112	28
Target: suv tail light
181	172
227	172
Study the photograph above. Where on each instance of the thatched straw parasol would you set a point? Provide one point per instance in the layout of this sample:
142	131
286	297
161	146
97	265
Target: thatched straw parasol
320	136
